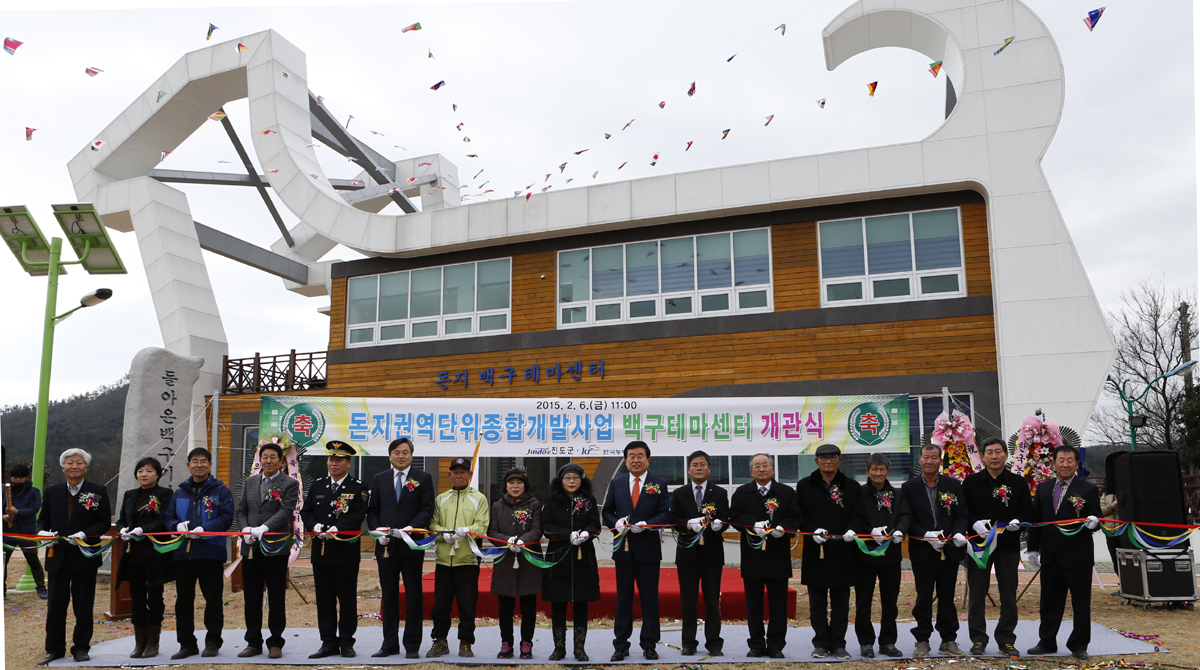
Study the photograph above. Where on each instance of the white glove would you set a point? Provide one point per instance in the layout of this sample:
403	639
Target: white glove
328	534
819	536
638	527
1034	560
384	536
778	532
897	536
406	529
575	538
124	533
849	536
760	528
181	527
934	540
317	527
136	531
48	533
192	535
717	525
694	524
462	531
937	544
395	532
512	544
583	536
879	531
981	527
248	539
1014	525
445	536
621	523
74	539
258	531
960	540
1092	523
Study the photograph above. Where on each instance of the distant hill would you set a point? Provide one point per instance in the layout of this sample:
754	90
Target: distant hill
91	421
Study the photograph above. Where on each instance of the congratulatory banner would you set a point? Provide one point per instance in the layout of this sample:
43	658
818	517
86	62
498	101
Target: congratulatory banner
562	427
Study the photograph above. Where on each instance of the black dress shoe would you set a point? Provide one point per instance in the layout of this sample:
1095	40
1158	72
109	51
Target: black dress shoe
348	652
1081	655
618	655
688	650
716	652
412	653
325	651
80	656
755	653
1039	650
50	658
183	652
210	650
774	653
650	654
890	650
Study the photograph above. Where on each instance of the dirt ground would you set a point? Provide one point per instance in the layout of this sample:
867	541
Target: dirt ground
1177	629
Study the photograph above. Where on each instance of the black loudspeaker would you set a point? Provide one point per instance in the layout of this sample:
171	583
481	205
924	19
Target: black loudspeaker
1149	489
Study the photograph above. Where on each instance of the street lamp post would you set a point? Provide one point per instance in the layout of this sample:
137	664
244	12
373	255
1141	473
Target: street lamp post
1135	420
85	232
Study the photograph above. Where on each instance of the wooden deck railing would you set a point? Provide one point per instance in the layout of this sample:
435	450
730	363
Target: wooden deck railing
272	374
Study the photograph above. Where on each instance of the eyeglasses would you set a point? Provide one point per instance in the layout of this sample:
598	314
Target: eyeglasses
760	466
572	478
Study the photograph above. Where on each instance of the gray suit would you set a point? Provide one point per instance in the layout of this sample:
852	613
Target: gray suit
259	571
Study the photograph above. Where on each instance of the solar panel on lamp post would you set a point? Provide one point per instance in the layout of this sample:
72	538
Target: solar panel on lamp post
1137	420
86	233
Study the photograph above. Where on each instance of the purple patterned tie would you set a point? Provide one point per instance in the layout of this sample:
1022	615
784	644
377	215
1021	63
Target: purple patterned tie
1058	489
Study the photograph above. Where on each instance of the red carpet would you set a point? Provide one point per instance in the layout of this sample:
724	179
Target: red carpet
733	596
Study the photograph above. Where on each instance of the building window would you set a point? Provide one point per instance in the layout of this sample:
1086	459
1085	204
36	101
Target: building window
893	258
684	277
432	303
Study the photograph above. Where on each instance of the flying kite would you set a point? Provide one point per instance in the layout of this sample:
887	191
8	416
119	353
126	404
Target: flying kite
692	90
562	167
769	118
654	161
454	107
431	54
730	59
241	47
821	103
662	105
530	186
459	126
871	88
286	75
161	95
410	180
376	132
1007	41
272	170
320	101
623	165
548	188
351	158
395	145
211	28
92	71
689	146
415	26
29	133
515	193
568	181
466	139
580	151
472	155
230	162
547	178
268	131
935	68
607	136
485	183
10	45
783	28
628	124
1093	18
217	116
725	133
595	173
348	121
438	85
477	174
314	175
528	195
97	144
164	156
424	163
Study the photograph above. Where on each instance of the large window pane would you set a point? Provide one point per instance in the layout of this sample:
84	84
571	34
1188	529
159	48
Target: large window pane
393	296
752	262
608	312
493	322
495	290
939	284
888	248
641	309
362	335
752	299
361	300
426	292
714	303
458	293
392	332
641	275
608	272
835	292
842	248
890	288
574	315
458	326
679	305
678	268
573	276
739	470
713	267
935	236
427	329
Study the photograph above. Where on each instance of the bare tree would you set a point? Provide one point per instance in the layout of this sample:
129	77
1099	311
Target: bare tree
1146	326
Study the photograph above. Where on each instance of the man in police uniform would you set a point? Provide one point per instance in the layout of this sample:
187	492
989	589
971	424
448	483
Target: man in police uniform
336	506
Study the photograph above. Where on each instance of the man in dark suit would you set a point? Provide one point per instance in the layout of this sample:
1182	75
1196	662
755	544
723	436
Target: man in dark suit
1065	560
336	504
402	498
939	516
888	516
763	511
831	504
266	511
73	511
996	498
699	560
638	499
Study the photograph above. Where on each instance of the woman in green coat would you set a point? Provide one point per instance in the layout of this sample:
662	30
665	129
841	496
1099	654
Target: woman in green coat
144	510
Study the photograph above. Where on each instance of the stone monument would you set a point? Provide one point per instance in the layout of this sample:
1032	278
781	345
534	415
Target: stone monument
158	415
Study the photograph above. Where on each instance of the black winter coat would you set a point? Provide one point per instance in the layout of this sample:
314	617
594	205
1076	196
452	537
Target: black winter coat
747	507
159	567
577	577
526	578
821	510
887	508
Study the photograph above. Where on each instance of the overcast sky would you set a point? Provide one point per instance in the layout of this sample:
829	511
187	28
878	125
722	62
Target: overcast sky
535	82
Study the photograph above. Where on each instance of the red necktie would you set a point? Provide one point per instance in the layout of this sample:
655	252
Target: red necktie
637	490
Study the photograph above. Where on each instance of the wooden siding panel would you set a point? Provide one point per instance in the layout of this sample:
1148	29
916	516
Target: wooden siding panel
532	296
794	266
337	314
977	255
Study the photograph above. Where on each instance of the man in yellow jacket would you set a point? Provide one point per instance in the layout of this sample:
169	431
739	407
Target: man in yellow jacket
460	515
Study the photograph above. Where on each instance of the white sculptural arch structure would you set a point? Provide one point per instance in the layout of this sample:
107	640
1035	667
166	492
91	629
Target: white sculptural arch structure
1006	114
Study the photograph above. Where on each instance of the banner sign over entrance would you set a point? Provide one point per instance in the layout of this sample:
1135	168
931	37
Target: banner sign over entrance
573	427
